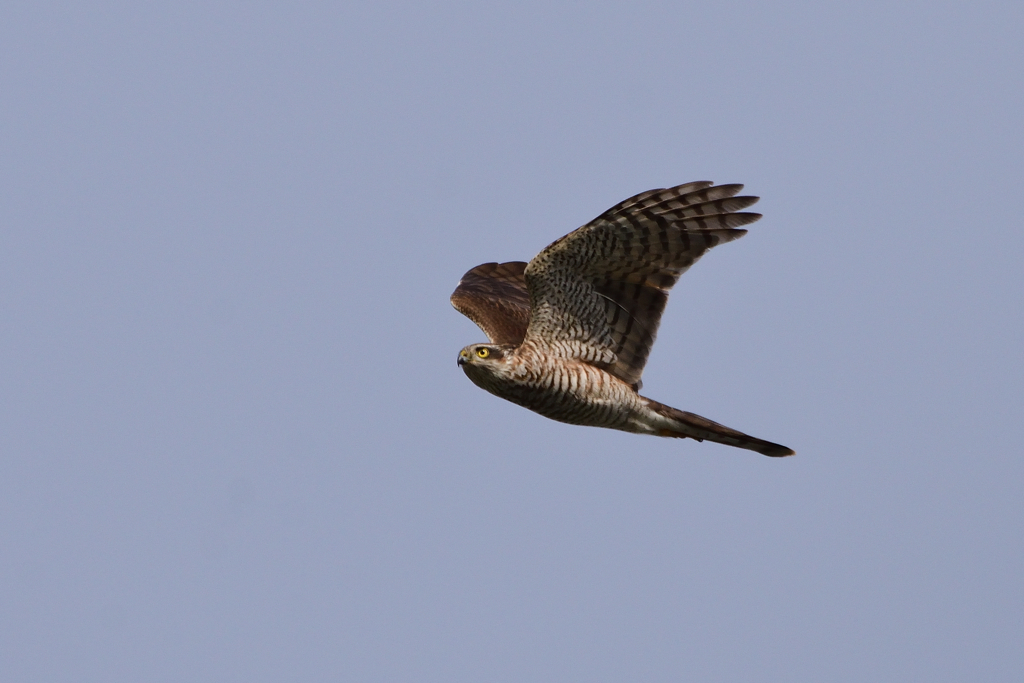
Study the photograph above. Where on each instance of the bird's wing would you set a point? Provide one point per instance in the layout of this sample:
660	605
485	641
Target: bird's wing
494	296
604	286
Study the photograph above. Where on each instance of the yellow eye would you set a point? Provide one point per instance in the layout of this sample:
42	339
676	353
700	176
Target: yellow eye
483	353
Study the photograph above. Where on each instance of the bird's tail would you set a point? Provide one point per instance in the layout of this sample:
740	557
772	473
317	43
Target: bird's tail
688	425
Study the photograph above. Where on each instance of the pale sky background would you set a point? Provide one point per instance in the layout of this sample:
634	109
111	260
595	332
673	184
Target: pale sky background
234	442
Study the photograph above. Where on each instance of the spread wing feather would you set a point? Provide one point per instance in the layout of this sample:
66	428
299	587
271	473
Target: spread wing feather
494	296
603	287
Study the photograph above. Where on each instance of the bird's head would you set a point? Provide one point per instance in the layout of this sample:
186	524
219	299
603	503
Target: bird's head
484	363
481	355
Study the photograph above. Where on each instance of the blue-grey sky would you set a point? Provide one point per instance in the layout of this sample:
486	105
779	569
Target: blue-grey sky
234	442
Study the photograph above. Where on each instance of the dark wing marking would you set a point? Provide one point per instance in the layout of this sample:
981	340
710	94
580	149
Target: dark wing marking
494	296
606	284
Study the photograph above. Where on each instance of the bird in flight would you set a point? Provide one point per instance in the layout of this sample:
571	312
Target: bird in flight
570	331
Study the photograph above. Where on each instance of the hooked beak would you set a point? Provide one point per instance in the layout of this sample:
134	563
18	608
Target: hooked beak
463	358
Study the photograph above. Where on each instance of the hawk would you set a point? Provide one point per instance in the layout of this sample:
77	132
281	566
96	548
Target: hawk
571	330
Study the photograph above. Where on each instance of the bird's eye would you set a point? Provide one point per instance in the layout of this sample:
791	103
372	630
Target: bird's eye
483	353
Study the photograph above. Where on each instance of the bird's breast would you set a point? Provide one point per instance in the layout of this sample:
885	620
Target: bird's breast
562	389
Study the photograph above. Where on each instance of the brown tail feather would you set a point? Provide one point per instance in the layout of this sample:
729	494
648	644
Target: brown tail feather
700	428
